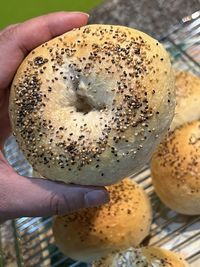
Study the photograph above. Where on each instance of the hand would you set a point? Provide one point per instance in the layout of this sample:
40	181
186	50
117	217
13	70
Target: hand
22	196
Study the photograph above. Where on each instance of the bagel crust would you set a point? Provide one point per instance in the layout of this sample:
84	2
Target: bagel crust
142	257
88	107
92	233
175	169
187	99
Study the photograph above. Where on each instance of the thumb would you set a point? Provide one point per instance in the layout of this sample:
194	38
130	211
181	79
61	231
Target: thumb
32	197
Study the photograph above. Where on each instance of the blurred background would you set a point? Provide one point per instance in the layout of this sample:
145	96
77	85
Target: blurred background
155	17
16	11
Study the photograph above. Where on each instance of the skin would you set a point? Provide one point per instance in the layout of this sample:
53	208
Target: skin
23	196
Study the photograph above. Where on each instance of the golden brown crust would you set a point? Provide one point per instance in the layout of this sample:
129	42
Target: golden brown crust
88	107
92	233
142	257
175	169
167	258
187	99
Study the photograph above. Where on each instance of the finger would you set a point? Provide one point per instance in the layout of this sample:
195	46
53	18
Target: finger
32	197
38	30
9	27
17	41
5	129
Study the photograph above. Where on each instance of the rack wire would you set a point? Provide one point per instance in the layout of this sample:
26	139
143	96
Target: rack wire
29	241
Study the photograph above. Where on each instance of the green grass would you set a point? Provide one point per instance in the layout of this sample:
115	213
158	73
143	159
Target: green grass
14	11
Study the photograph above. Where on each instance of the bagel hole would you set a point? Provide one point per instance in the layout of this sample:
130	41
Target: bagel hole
83	105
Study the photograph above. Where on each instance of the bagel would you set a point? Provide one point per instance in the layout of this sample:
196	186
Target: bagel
187	99
142	257
88	107
93	233
175	169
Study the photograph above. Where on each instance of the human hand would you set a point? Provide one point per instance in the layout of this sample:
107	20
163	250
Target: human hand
22	196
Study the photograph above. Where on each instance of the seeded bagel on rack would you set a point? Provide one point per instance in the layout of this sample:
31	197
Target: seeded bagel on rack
175	169
187	99
92	233
89	107
142	257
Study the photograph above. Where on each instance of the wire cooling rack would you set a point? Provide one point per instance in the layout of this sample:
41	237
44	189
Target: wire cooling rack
29	241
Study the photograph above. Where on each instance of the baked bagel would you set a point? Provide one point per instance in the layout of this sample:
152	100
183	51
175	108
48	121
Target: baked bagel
89	107
175	169
142	257
93	233
187	99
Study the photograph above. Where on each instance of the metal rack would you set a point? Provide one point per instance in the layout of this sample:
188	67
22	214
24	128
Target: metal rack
29	241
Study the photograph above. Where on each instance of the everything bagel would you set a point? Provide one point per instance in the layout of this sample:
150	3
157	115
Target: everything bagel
88	107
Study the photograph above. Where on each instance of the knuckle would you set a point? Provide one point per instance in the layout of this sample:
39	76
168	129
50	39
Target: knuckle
59	204
8	32
54	203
